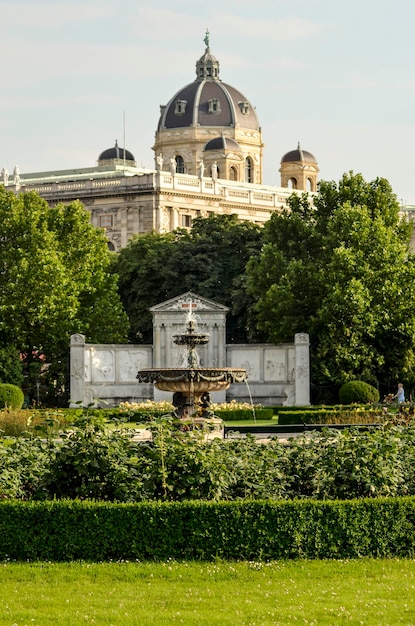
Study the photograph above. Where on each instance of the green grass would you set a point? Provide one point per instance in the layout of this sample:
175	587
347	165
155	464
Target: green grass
368	592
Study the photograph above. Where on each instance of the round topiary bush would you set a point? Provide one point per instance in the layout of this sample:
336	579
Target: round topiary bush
358	392
11	396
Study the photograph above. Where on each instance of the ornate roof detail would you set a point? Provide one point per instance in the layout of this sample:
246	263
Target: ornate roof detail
116	154
299	155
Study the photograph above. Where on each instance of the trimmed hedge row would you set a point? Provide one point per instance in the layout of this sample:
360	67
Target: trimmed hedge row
244	530
327	416
232	415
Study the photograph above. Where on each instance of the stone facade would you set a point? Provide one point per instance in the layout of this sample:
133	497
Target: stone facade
134	201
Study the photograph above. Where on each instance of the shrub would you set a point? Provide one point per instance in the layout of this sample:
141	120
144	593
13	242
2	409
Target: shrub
16	422
357	391
11	396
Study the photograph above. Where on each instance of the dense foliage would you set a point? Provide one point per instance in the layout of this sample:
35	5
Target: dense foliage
209	260
11	367
54	281
93	462
341	270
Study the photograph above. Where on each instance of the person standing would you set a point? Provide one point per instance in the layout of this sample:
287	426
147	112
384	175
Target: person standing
400	394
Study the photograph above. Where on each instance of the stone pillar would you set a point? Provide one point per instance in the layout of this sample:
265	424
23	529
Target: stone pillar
222	346
168	348
157	345
302	369
77	370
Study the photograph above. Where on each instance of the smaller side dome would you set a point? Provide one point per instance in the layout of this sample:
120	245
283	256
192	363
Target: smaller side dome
116	155
299	155
222	143
299	170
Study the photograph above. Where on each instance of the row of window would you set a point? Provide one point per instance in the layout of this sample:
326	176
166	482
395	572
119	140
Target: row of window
233	172
213	106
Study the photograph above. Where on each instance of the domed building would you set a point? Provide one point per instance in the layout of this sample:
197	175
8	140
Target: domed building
210	121
208	153
299	170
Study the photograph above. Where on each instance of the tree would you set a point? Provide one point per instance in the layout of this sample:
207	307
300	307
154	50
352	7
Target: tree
11	370
209	260
341	270
54	281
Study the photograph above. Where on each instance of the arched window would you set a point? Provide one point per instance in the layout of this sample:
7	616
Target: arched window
292	183
233	173
179	164
111	246
248	170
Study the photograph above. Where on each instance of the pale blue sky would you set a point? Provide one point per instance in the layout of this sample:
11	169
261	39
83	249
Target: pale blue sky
336	76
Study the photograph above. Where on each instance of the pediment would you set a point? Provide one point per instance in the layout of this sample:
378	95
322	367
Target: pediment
189	301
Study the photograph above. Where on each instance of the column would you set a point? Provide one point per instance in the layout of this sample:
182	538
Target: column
77	370
302	369
157	345
221	346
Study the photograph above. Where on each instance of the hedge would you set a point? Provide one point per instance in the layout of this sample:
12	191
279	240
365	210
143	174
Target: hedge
244	530
232	415
326	416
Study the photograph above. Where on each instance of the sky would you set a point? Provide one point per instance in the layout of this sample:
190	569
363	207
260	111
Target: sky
338	77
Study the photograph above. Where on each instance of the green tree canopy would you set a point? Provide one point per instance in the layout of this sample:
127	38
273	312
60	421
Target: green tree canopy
341	270
209	260
54	278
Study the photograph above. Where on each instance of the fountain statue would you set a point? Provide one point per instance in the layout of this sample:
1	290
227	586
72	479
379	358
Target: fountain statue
191	386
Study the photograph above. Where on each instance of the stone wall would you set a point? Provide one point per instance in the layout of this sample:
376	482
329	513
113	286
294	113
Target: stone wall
105	375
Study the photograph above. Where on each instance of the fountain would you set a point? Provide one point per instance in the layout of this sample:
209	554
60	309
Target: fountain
191	386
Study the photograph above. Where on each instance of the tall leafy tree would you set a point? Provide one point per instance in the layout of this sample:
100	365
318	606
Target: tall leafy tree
54	281
209	260
341	270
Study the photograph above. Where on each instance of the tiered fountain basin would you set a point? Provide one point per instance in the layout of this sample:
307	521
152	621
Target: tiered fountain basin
192	383
192	380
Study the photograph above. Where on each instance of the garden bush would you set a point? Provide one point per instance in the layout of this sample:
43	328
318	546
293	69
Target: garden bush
11	396
90	461
17	422
357	391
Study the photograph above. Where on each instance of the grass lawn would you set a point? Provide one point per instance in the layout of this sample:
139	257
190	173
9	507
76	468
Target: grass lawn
368	592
